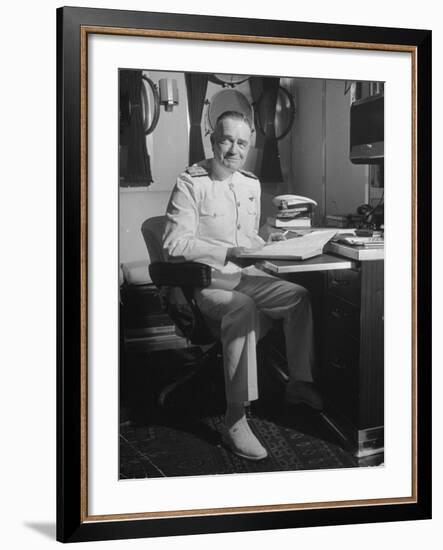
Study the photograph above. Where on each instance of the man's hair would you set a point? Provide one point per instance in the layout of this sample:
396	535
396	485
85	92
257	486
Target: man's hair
236	115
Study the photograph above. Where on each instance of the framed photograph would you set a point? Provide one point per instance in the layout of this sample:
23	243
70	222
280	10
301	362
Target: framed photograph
244	269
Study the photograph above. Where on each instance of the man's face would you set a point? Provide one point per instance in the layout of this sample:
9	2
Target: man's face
230	143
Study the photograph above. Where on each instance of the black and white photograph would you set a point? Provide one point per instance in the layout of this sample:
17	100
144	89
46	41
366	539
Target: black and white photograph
243	294
219	234
251	273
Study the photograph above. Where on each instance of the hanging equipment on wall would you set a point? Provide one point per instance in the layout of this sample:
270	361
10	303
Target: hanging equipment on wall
168	93
150	101
135	168
196	85
266	114
275	113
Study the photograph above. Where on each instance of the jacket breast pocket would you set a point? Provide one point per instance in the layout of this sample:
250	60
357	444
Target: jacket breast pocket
211	218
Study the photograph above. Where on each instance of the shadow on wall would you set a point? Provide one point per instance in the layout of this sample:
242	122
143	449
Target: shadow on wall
135	207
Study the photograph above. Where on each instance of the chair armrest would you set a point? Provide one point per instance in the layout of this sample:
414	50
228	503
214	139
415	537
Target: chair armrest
182	274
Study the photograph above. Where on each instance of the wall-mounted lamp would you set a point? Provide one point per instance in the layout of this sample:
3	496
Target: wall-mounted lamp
168	93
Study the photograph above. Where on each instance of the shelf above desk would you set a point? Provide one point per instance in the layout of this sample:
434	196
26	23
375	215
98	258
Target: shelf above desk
325	262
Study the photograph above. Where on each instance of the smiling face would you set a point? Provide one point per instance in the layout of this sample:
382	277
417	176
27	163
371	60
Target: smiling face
230	144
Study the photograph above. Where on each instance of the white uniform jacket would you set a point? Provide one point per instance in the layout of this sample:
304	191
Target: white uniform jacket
206	217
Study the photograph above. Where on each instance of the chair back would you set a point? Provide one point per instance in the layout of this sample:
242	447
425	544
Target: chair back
176	292
152	231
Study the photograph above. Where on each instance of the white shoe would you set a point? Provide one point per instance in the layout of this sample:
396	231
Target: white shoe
240	439
304	392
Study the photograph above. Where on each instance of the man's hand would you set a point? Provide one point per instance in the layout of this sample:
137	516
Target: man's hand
234	252
277	236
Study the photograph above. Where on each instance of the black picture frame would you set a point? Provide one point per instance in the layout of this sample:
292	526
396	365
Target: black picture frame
73	523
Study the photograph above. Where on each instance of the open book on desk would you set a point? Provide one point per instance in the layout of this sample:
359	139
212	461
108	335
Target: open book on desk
296	248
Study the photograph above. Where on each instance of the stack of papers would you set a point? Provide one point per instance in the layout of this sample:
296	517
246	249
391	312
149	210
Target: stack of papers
367	242
297	248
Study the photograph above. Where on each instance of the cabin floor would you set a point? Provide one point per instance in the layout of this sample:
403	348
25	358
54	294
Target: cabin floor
183	437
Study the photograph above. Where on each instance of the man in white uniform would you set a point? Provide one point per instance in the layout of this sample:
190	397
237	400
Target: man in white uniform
214	214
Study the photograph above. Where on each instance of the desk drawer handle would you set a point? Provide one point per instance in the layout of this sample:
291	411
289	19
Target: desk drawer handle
337	314
338	365
340	282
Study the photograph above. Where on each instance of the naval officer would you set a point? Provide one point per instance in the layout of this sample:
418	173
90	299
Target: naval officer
212	216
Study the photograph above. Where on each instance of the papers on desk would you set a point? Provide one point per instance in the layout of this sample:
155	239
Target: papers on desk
297	248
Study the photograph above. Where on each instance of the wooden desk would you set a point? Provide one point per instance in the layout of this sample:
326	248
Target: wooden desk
350	339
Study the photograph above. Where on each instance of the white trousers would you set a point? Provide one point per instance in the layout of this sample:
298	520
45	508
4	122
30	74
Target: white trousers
242	311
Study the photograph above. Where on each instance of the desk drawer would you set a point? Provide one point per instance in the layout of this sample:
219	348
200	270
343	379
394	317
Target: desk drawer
345	283
339	377
342	397
343	317
341	354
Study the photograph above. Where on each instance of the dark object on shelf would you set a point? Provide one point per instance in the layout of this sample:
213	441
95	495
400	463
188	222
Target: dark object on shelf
367	130
372	216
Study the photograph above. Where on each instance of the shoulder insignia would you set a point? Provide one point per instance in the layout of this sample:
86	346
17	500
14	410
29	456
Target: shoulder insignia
248	174
196	170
